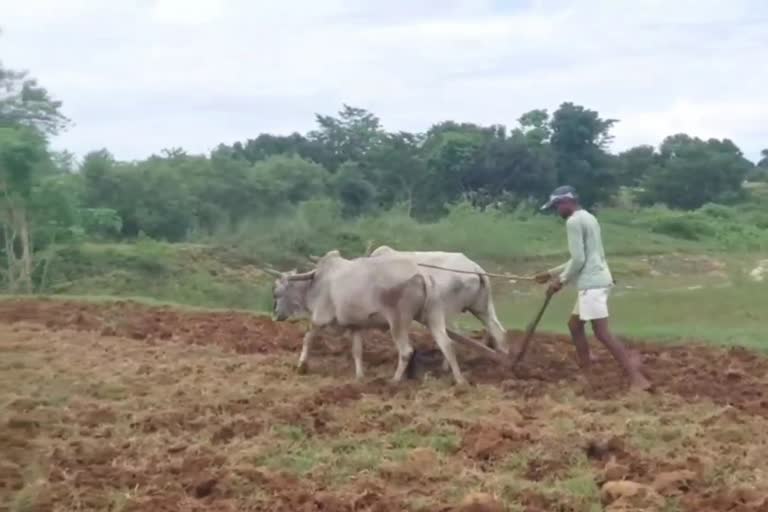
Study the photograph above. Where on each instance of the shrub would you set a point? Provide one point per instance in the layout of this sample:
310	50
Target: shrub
684	227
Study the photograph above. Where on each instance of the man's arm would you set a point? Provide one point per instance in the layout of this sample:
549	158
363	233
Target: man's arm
576	249
555	271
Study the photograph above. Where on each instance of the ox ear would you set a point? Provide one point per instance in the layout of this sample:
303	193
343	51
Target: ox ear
306	276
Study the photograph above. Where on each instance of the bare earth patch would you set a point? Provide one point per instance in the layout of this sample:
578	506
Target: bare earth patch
122	407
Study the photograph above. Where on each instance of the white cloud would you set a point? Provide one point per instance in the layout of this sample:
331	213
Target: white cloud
137	76
720	119
187	12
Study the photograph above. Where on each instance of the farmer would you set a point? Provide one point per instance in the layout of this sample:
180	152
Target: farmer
589	271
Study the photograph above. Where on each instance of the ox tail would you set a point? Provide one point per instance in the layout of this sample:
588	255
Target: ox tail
430	296
496	333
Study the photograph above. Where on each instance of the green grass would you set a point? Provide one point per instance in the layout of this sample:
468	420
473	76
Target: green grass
188	274
732	315
497	236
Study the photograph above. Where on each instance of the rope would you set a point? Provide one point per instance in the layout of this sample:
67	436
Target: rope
502	276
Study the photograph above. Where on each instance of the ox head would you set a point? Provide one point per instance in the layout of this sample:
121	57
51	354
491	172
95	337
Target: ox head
289	293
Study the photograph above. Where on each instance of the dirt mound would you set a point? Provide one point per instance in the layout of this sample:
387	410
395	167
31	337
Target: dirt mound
487	442
240	332
100	422
733	376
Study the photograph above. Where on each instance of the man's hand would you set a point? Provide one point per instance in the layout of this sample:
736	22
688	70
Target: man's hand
542	278
555	286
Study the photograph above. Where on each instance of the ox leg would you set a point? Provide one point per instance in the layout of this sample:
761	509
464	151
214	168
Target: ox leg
495	335
357	354
404	350
446	366
437	328
305	347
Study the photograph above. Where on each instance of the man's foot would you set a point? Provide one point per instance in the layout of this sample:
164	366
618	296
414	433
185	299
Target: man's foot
588	361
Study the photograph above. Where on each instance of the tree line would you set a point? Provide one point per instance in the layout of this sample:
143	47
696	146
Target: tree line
349	157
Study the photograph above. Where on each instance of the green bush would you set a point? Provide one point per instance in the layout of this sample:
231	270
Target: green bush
685	228
718	211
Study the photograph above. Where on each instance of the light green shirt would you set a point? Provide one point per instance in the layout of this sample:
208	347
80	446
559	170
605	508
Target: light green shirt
587	266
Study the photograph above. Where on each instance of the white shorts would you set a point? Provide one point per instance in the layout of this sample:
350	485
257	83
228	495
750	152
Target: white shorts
592	304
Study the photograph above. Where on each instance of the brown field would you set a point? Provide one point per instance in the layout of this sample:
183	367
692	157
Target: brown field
122	407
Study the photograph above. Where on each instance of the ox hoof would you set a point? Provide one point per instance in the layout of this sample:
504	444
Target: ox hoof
302	369
462	383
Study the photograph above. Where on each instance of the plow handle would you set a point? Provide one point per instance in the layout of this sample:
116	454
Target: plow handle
532	328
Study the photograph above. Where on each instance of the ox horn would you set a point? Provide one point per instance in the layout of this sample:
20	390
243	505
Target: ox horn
272	272
313	258
306	276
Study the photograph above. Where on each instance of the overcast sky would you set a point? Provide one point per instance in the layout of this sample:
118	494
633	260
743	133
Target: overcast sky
141	75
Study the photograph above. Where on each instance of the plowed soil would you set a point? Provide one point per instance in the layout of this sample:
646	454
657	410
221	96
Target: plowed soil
120	406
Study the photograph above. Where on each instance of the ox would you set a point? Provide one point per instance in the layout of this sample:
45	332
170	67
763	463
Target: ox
385	292
459	292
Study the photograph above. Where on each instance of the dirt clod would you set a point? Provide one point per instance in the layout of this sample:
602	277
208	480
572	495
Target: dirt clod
622	494
486	442
614	471
673	482
205	487
480	502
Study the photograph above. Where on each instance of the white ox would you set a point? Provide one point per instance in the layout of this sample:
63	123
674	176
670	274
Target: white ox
385	292
468	290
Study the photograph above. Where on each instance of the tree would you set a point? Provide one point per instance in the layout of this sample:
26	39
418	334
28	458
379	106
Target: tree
396	168
23	102
693	172
28	115
96	169
287	180
452	158
348	137
356	194
22	149
518	167
534	125
151	197
760	171
162	204
267	145
579	138
635	164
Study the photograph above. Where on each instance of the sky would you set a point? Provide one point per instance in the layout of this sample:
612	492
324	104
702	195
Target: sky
142	75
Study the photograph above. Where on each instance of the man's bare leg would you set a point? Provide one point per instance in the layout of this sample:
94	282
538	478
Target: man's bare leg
620	353
579	337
